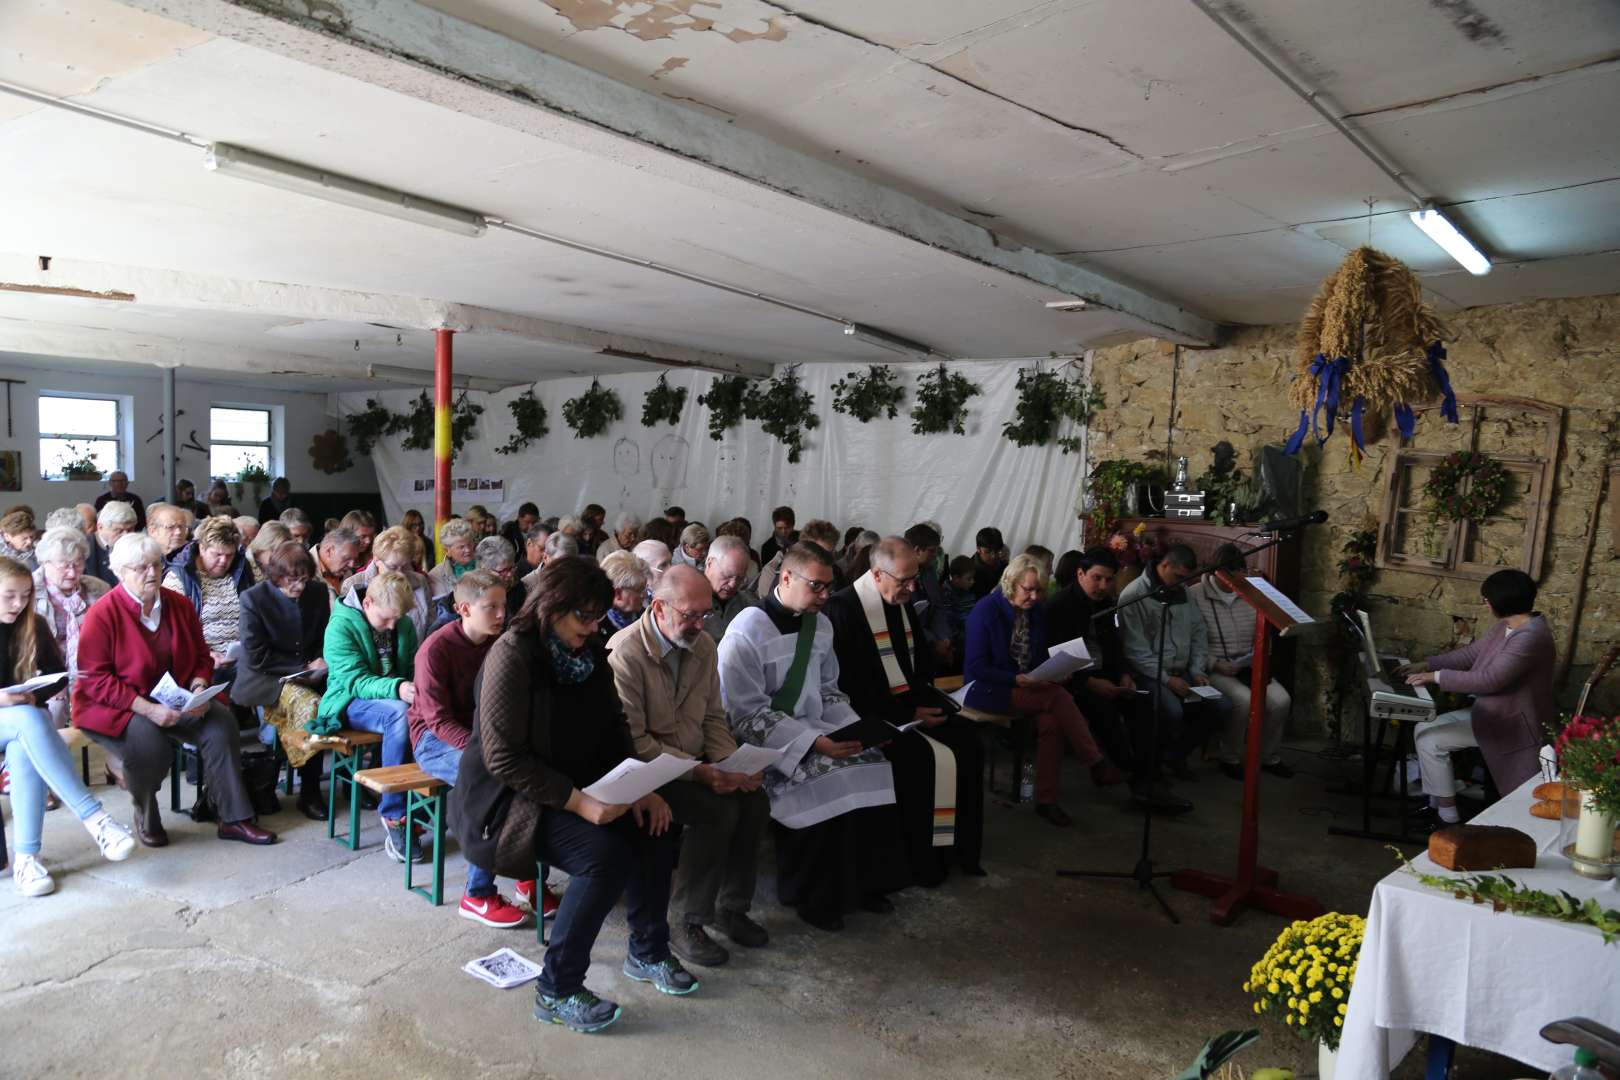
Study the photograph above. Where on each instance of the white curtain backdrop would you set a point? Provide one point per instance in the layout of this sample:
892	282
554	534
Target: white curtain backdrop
877	475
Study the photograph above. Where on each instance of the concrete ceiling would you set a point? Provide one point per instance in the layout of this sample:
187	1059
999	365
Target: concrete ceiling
938	170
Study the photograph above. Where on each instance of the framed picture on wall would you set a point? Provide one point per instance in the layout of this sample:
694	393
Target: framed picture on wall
10	470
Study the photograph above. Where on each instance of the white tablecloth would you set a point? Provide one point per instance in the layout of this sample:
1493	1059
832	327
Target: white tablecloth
1434	963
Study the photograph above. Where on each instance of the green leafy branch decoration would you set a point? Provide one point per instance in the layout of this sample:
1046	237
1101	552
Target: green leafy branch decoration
590	413
725	400
868	396
1505	894
942	397
369	425
663	404
529	417
1045	399
785	409
419	423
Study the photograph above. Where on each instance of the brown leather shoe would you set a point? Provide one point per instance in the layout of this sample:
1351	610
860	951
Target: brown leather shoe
149	829
246	832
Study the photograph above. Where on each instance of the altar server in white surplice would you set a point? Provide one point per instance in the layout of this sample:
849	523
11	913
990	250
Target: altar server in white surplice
837	828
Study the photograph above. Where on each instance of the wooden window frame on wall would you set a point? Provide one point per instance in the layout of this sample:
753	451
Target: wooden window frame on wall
1542	471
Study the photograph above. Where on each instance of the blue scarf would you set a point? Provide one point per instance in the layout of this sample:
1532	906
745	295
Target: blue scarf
619	619
571	667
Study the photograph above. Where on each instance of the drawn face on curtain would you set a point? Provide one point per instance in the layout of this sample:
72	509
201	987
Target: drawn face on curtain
669	456
626	458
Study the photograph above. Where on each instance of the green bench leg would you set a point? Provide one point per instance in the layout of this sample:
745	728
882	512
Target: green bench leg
430	807
344	766
540	902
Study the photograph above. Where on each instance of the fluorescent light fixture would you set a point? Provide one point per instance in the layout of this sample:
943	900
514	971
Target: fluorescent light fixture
1444	233
337	188
424	377
1067	305
871	335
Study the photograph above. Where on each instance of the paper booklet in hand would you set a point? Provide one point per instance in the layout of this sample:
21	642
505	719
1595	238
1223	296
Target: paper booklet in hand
631	779
1064	661
38	682
308	675
749	759
168	692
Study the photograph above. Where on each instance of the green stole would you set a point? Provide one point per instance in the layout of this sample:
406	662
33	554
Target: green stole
786	699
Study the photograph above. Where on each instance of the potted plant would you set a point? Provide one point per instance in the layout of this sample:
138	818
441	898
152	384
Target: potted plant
1589	760
82	465
1305	978
248	482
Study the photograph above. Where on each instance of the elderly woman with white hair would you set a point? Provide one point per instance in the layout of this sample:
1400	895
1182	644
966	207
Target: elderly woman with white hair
459	538
494	555
625	528
558	545
113	520
657	556
397	550
131	638
631	578
1006	639
693	549
248	527
63	593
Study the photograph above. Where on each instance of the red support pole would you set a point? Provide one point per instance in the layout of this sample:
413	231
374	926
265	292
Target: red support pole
442	370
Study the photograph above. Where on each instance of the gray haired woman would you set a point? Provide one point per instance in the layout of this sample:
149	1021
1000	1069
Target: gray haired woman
63	592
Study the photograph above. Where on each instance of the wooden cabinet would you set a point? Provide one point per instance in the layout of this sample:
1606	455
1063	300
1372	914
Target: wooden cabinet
1280	564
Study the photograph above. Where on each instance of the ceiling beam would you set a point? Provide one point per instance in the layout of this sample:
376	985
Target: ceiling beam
151	287
409	48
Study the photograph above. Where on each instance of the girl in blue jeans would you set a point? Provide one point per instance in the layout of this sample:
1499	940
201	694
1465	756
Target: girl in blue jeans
35	755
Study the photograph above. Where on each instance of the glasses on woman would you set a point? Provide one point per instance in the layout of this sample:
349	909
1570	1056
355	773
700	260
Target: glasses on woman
589	618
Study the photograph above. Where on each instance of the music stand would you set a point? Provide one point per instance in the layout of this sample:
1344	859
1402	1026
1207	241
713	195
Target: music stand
1253	885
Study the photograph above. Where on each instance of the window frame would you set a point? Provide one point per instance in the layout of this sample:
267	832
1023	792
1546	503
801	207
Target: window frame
268	443
120	405
1450	562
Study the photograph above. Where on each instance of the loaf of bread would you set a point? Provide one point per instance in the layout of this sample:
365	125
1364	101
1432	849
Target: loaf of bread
1481	847
1551	791
1549	810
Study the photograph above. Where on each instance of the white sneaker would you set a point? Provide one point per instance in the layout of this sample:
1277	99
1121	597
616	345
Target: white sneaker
113	839
31	877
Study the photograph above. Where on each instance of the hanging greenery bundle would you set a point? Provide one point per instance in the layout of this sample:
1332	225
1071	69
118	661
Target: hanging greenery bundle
725	401
529	417
784	409
663	404
418	422
370	424
942	397
1487	487
591	412
1045	399
1368	340
868	396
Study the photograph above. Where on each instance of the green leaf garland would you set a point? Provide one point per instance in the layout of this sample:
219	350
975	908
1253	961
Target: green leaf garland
369	425
785	409
529	416
663	404
419	423
725	401
1045	400
1502	893
868	396
942	397
590	413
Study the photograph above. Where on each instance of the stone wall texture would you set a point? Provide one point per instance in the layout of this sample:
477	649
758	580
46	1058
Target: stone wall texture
1563	352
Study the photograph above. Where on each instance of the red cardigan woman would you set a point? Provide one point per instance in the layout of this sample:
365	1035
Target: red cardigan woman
129	640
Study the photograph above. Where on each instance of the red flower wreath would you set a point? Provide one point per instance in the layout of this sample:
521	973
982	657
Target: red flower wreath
1487	487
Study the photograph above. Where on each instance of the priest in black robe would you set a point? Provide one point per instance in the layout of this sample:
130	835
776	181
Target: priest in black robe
886	666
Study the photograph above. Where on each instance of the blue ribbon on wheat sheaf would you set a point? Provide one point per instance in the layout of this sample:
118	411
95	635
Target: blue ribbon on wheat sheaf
1329	376
1404	417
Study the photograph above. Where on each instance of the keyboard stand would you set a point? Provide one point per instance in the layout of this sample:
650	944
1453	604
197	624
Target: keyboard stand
1372	750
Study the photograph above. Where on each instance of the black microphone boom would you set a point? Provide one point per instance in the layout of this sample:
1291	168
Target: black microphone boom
1283	524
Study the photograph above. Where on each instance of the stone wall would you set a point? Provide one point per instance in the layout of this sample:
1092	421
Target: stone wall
1563	352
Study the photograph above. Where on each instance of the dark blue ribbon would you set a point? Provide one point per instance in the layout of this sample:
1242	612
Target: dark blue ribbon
1329	383
1405	419
1297	439
1448	398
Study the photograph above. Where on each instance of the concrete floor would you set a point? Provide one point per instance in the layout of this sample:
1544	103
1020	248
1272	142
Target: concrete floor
208	959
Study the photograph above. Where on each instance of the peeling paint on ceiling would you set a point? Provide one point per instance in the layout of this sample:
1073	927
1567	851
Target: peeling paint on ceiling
660	20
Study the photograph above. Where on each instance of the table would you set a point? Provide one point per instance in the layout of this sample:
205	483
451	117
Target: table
1433	963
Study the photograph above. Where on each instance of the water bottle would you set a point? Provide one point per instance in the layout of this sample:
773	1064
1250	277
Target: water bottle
1026	783
1584	1068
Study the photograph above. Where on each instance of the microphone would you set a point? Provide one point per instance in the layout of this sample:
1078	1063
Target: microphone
1284	524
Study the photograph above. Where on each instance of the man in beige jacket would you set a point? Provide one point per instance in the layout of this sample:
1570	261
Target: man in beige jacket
667	675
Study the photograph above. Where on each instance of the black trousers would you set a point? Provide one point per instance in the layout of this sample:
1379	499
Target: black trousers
826	868
912	760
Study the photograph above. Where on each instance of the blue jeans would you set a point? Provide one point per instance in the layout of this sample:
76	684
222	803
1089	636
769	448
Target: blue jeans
604	861
37	758
1188	723
386	718
442	761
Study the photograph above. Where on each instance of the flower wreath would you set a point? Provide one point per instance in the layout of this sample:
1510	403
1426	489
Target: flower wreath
1487	487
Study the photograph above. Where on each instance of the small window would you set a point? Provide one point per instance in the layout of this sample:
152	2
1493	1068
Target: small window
238	437
78	436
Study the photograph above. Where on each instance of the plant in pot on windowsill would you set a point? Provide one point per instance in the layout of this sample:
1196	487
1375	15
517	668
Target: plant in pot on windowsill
249	483
82	465
1305	979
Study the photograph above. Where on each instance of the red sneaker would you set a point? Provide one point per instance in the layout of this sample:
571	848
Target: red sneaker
493	911
525	898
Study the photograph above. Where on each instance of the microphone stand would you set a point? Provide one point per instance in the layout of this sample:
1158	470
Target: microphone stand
1143	872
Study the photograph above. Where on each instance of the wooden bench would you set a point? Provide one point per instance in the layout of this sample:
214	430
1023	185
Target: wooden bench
348	748
424	797
78	740
1020	728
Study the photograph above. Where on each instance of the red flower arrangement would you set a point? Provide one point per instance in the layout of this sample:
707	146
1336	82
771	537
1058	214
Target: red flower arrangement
1589	757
